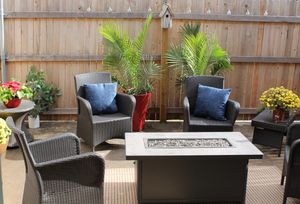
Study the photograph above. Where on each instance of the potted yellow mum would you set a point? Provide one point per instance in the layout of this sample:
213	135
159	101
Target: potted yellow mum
281	101
5	132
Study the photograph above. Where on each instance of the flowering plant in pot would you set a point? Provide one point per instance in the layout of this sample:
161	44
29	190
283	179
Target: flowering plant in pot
279	100
12	92
134	73
5	132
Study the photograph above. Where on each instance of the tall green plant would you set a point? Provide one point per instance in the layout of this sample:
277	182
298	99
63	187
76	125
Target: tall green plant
124	59
44	94
197	54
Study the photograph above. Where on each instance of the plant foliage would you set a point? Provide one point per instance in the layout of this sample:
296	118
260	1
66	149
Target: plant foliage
5	132
14	89
197	54
44	94
280	98
124	59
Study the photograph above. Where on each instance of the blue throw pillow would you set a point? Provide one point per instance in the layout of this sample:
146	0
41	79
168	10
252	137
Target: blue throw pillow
102	97
211	102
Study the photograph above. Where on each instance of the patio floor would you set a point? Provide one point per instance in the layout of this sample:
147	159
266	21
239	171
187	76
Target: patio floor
263	179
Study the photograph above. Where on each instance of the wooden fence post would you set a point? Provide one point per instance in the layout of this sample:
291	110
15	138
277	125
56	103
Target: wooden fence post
166	23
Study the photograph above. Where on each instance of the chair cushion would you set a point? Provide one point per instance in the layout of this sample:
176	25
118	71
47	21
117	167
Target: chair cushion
102	97
211	102
198	124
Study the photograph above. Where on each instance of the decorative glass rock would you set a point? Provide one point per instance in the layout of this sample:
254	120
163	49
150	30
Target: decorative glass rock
188	143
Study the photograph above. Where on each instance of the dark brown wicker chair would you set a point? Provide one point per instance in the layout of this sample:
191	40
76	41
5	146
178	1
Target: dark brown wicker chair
56	172
291	164
95	129
197	124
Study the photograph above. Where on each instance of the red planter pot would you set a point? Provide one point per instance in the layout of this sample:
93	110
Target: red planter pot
278	115
140	111
13	103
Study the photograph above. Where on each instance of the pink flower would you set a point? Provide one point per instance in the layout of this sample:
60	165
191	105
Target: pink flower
13	85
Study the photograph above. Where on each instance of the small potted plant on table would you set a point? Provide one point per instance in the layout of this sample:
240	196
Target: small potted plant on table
281	101
12	92
44	95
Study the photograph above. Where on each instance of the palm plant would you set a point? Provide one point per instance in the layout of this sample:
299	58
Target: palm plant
124	59
197	54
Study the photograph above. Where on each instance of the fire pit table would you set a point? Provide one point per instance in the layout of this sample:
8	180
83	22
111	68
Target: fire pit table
190	167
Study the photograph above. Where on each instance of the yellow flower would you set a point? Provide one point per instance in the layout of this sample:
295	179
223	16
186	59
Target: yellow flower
280	97
5	132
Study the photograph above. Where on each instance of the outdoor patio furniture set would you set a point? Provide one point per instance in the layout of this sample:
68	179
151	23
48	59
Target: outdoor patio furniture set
56	172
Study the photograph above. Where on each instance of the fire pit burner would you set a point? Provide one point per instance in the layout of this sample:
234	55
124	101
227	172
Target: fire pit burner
187	143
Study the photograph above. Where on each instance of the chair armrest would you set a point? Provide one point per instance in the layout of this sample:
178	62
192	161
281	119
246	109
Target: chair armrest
294	157
126	104
186	114
60	146
85	108
293	133
232	110
85	169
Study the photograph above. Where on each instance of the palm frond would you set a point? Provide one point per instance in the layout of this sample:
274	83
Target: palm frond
175	57
124	57
189	29
197	54
219	59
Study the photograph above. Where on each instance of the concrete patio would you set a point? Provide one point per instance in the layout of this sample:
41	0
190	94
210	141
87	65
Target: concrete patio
263	184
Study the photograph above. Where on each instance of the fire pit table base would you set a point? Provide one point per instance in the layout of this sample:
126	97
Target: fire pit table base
170	169
192	180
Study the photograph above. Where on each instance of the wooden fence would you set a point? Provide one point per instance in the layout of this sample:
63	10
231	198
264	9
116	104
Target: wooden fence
60	37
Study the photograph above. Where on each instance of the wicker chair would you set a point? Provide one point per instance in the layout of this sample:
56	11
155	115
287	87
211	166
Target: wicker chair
56	172
291	163
95	129
197	124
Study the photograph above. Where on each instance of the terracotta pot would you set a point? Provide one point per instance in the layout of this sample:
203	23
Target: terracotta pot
278	115
13	103
3	148
140	111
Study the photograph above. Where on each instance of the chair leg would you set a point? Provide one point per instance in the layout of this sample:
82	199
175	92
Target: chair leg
282	179
284	199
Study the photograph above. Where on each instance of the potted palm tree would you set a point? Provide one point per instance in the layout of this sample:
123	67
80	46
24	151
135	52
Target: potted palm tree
129	67
44	95
197	54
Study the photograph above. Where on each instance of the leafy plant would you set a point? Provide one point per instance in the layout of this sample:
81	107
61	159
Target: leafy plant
197	54
44	94
124	59
280	98
14	89
5	132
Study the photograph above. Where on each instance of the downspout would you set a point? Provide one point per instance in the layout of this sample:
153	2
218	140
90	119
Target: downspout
3	58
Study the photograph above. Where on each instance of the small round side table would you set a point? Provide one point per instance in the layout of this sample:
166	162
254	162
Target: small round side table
18	114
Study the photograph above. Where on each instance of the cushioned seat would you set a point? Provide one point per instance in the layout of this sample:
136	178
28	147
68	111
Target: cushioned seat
93	128
57	173
204	124
208	125
110	118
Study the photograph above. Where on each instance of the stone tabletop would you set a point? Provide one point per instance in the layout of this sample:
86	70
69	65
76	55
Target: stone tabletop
136	147
25	106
